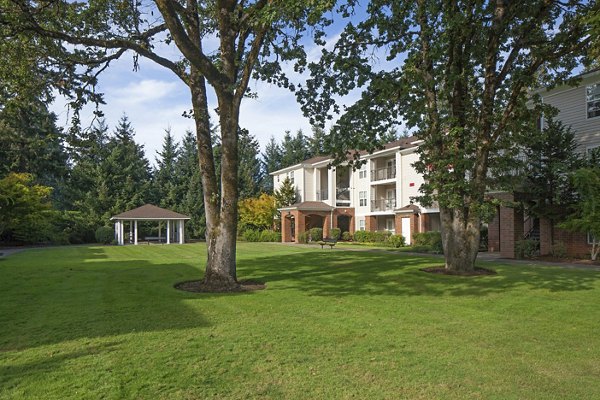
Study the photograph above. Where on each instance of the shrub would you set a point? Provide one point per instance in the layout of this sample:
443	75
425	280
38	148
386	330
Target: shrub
347	236
559	250
527	248
316	234
250	235
397	241
270	236
421	249
335	233
303	237
431	239
360	236
105	235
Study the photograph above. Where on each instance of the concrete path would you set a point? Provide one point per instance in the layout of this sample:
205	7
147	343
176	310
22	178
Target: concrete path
5	252
483	256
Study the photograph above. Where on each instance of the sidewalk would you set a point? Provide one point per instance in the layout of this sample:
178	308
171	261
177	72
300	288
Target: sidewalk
481	257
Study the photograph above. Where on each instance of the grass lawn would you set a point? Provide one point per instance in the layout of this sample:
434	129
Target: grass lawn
105	322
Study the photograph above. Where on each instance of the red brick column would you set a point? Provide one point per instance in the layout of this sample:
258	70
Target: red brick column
414	225
398	224
327	224
371	223
511	230
545	236
425	223
300	223
286	227
494	233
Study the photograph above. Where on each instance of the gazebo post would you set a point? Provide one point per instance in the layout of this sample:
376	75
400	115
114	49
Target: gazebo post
181	225
168	231
135	233
159	231
121	232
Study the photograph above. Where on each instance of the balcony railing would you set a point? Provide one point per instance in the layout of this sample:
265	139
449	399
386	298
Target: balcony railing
381	174
342	194
383	205
322	196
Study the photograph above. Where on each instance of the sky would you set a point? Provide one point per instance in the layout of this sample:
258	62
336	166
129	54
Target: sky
154	99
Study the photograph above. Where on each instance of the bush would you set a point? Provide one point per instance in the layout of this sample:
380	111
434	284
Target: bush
397	241
303	237
335	233
270	236
250	235
559	250
347	236
527	248
421	249
316	234
433	240
105	235
372	237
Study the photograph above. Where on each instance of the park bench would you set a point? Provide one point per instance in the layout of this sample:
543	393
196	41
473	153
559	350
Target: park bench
157	239
329	242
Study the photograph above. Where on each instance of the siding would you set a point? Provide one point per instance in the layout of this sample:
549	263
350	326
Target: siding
572	106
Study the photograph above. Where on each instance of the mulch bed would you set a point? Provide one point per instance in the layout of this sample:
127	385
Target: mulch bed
478	271
199	287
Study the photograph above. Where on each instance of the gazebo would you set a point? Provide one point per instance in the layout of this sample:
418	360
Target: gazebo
174	221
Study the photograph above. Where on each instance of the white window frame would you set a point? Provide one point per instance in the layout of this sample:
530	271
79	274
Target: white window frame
362	198
291	176
361	224
595	99
589	238
362	173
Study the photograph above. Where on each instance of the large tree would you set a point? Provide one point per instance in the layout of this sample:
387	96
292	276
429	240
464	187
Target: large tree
459	74
251	36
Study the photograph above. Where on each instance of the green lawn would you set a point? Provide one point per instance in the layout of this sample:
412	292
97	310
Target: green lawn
105	322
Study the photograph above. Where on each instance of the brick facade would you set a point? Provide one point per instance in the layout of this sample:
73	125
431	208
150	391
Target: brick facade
299	220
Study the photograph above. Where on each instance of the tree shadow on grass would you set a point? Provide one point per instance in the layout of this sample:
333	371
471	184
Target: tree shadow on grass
340	273
48	304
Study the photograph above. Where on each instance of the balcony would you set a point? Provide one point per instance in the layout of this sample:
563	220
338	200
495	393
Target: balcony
381	174
383	205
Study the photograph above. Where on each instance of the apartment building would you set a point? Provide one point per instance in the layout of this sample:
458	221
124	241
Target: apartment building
375	197
579	108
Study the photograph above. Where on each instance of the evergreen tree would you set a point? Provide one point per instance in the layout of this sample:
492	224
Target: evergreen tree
294	148
551	156
189	189
286	194
317	143
166	180
125	174
30	142
250	175
271	160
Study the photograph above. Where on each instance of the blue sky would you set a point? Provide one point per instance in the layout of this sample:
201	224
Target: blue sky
154	99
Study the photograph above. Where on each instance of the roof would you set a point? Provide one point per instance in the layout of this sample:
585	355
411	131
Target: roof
149	211
411	208
309	206
403	143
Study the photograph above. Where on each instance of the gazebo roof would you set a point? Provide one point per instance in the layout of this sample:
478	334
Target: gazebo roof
150	212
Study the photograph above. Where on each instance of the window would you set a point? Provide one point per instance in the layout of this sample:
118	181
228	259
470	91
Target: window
291	176
361	224
389	225
277	178
362	199
363	172
593	100
590	238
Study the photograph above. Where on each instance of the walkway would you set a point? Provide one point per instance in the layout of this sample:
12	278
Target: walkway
483	256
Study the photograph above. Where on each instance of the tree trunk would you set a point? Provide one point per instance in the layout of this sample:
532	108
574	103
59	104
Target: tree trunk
460	238
221	220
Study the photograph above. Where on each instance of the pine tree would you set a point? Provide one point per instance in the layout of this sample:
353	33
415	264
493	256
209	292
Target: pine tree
271	161
166	180
189	190
286	194
294	148
317	143
250	175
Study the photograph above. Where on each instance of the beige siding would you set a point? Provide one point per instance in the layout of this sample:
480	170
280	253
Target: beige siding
572	106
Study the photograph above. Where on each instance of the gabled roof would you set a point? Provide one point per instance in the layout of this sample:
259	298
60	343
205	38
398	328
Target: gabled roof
150	212
400	144
411	208
309	206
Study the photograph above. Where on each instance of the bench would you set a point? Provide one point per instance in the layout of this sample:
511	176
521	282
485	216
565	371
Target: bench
329	242
157	239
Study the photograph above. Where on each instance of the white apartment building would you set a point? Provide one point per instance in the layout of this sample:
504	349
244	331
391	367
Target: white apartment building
376	197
